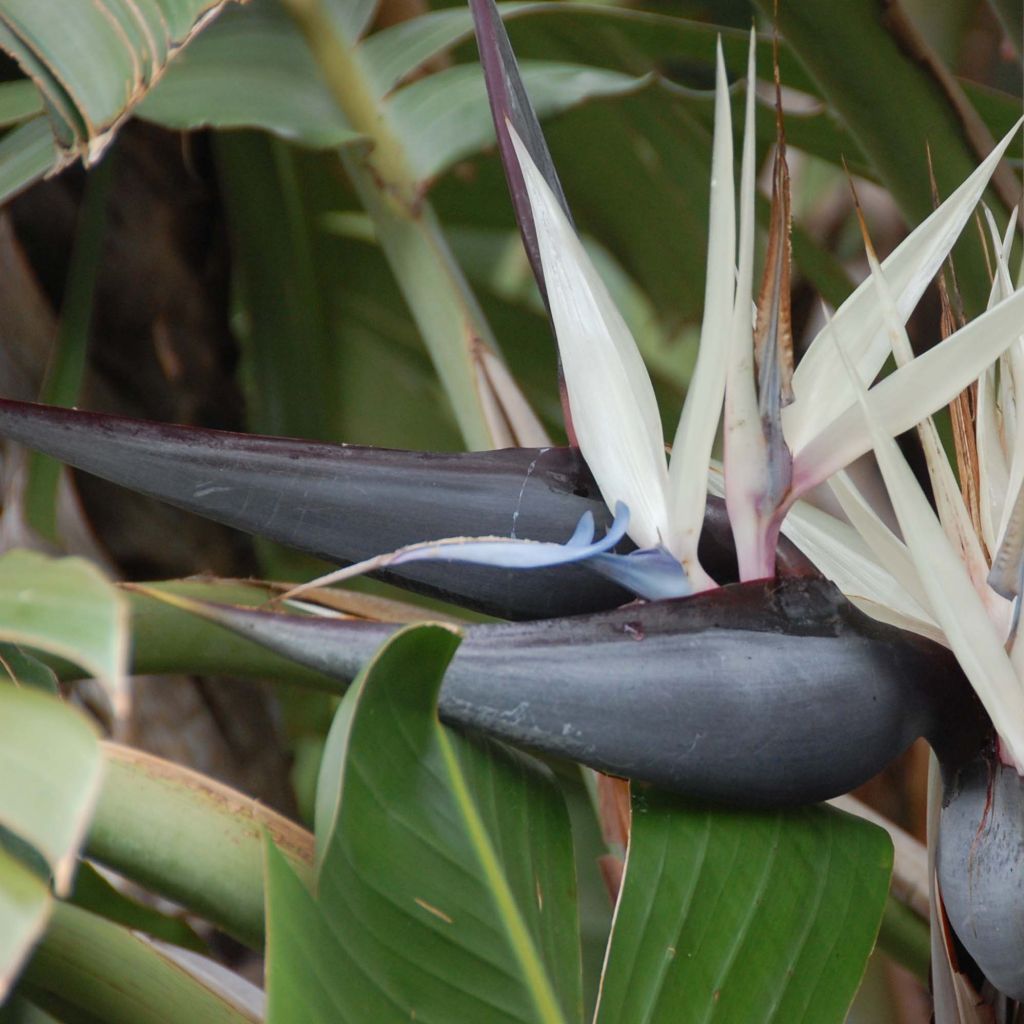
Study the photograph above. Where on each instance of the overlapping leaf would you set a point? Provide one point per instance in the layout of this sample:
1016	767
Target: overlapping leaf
445	887
93	62
742	917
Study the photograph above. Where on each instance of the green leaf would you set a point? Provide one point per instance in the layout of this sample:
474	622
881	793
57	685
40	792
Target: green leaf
445	116
26	154
65	369
446	888
287	347
18	1010
19	101
743	916
86	963
860	62
250	69
23	669
66	607
94	893
93	62
50	772
24	907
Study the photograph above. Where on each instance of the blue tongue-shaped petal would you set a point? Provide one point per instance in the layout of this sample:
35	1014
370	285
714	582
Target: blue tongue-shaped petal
652	573
498	552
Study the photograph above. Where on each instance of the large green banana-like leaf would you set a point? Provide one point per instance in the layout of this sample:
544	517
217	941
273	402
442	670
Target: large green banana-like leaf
93	62
900	104
743	917
445	883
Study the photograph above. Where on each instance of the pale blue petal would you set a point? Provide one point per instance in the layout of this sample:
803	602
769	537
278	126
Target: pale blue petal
513	553
651	573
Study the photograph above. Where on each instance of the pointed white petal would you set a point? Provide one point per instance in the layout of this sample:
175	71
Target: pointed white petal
893	617
886	549
818	383
953	514
746	454
845	558
614	410
993	471
698	424
958	609
912	392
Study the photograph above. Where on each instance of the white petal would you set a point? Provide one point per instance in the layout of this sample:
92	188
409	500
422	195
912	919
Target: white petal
993	472
957	607
698	424
953	514
887	550
819	385
614	411
746	453
911	393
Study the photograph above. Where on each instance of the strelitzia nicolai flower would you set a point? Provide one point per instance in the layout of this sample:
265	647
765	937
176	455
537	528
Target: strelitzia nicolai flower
785	432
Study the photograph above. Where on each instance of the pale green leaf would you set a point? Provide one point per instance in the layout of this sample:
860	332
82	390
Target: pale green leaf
93	62
252	68
24	907
19	101
445	117
66	607
743	916
26	154
50	773
86	963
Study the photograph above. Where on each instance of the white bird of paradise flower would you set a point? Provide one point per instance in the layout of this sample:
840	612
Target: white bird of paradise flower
783	438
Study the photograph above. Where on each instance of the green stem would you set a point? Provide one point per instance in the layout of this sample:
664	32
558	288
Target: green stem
189	838
63	381
444	308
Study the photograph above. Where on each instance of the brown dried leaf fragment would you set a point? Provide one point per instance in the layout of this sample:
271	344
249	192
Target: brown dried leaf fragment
773	336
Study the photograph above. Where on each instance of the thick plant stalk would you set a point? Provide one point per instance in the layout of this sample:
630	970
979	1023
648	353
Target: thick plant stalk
448	316
189	838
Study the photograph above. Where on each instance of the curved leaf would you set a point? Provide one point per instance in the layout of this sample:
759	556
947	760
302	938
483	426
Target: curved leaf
66	607
93	62
251	69
50	772
446	887
24	908
86	963
743	917
189	838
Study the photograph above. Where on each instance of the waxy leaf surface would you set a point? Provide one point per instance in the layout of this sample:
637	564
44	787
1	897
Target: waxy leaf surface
445	888
743	917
